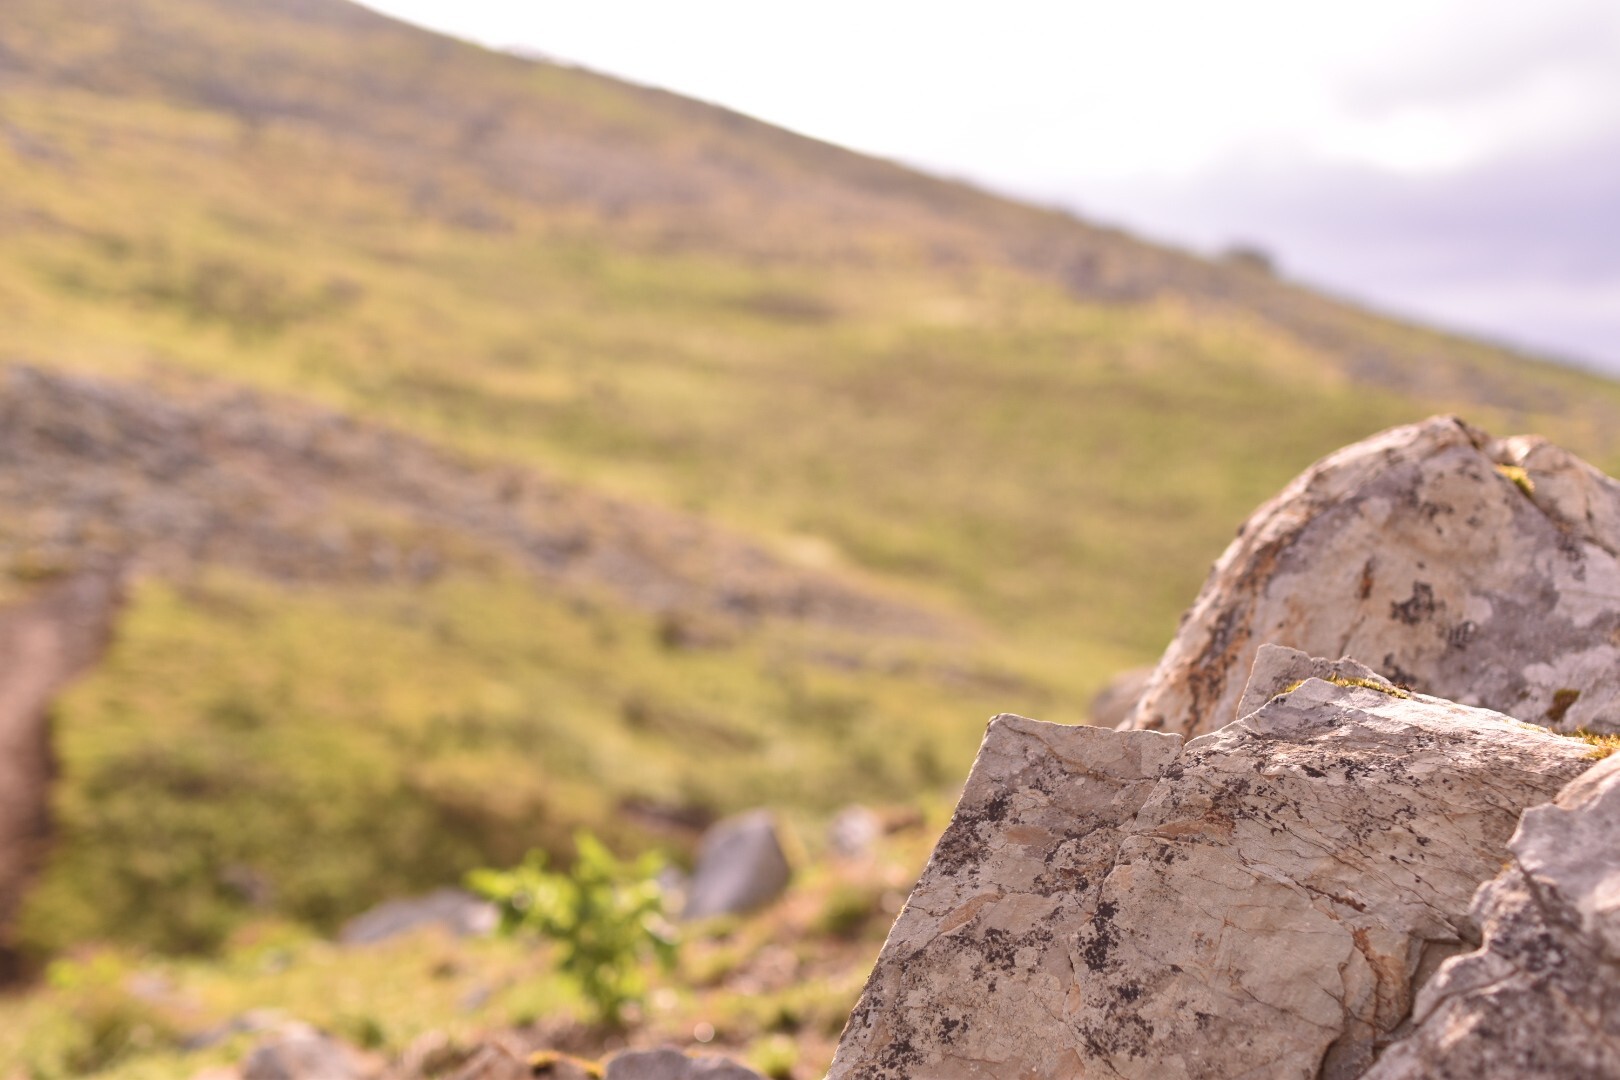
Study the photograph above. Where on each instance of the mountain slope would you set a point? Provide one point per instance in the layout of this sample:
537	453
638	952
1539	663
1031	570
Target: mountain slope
1023	434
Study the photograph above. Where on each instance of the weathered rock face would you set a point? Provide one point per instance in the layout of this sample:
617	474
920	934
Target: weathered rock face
1261	902
1541	997
1483	571
44	644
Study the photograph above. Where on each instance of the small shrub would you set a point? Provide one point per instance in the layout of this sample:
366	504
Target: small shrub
776	1057
847	911
606	914
109	1025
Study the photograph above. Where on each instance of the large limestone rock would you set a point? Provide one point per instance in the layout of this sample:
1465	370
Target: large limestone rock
1479	570
1261	902
1540	999
44	644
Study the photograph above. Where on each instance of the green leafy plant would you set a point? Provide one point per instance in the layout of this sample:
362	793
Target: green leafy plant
606	914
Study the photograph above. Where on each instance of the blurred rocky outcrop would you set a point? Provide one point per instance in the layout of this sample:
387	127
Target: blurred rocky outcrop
1262	901
45	642
178	475
1475	569
1117	700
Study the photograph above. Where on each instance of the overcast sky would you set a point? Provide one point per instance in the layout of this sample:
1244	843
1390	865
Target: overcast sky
1456	160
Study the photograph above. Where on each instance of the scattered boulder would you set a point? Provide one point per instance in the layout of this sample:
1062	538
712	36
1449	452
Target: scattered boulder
1540	998
299	1052
1475	569
1114	702
741	866
1263	901
455	911
670	1064
45	643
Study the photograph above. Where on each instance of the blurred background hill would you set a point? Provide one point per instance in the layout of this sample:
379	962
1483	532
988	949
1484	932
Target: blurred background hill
495	448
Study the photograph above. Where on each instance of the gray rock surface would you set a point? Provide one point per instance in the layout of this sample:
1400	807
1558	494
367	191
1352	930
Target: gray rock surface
45	643
741	866
1262	902
1479	570
1277	667
1540	999
299	1052
670	1064
454	910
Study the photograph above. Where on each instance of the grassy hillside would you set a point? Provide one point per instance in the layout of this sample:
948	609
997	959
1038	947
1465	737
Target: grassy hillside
1034	432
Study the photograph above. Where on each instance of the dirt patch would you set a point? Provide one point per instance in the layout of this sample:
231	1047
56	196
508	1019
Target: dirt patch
45	642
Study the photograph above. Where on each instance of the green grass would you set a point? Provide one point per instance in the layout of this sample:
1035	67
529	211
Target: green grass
419	733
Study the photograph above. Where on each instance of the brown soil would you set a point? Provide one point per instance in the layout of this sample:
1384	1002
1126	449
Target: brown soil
44	643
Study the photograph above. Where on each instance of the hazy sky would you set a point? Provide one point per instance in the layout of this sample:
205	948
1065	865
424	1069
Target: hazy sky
1458	160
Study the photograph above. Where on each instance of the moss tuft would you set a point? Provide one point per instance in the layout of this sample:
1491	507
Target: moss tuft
1349	680
1602	745
1520	477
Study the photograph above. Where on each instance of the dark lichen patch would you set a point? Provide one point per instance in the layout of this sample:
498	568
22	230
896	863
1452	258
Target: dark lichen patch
1097	946
1561	702
947	1028
1460	635
1416	608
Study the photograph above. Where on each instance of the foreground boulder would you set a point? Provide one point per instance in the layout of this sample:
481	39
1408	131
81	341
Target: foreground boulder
1263	901
1540	999
1483	571
44	644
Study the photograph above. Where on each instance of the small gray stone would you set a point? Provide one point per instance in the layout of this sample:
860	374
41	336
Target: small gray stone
299	1052
455	910
741	866
671	1064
